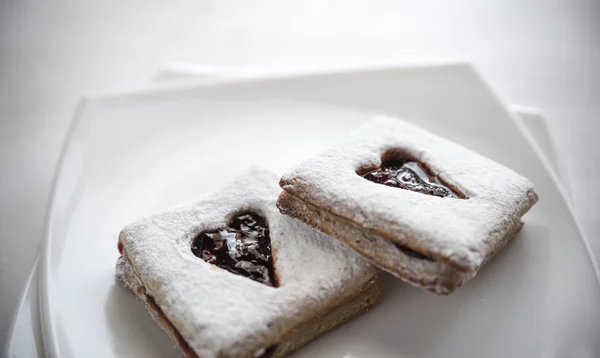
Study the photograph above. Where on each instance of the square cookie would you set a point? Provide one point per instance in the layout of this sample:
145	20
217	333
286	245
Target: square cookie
419	206
229	276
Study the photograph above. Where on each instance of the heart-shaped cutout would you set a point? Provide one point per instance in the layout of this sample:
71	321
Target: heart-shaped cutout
242	248
410	175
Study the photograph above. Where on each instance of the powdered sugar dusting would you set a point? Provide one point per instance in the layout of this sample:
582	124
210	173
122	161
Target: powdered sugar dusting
459	232
222	314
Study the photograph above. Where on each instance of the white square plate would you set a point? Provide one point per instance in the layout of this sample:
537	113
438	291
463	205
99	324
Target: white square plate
25	339
135	152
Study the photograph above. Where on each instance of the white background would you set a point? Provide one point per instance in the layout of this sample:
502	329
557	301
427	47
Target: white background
540	53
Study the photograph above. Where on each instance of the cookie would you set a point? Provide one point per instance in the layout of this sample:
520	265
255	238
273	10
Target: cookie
229	276
419	206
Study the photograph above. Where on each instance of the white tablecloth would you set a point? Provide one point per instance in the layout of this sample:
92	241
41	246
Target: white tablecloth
539	53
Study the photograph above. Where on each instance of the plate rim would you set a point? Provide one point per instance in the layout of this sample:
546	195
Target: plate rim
157	87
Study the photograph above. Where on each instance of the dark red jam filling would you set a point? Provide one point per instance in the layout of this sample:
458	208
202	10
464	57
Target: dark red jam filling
412	253
409	175
242	248
269	352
